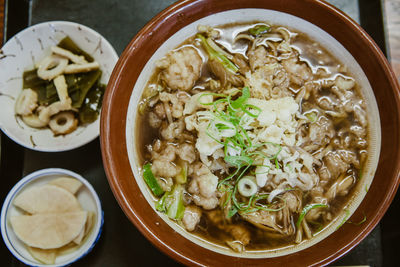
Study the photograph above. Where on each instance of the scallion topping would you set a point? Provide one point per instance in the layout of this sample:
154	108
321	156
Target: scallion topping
151	181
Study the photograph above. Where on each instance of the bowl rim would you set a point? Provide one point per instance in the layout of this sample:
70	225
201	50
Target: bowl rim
20	186
109	155
84	29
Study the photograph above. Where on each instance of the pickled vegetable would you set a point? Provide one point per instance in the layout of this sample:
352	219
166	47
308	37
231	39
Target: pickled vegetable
84	89
68	44
92	104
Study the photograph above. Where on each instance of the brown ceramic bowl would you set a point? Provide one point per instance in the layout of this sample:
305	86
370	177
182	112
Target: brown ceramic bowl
129	76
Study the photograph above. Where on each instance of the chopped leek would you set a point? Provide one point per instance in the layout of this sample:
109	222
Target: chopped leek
360	222
240	101
171	203
151	181
216	55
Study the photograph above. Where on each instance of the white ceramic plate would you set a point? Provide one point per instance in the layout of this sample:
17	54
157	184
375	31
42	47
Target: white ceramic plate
20	54
87	197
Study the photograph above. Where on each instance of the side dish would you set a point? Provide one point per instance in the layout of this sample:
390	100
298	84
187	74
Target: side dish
63	91
53	222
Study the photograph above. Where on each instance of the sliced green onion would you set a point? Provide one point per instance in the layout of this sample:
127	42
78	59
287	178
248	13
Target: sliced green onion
232	211
360	222
268	168
151	181
240	101
238	160
247	186
248	112
344	219
207	94
306	209
216	55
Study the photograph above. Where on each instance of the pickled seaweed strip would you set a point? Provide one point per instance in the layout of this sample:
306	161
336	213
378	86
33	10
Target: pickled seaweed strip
31	80
72	81
68	44
51	90
84	84
90	109
42	98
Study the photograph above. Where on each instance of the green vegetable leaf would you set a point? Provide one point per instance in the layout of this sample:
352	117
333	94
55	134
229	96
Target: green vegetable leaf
174	203
171	203
70	45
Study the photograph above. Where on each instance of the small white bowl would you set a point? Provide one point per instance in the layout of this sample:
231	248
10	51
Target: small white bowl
21	53
87	197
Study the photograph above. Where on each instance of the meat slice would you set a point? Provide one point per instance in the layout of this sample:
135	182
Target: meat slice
203	187
191	217
163	165
335	164
258	57
186	152
321	131
298	71
181	68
